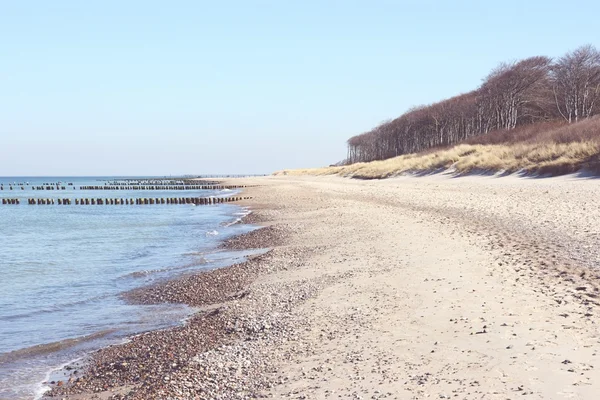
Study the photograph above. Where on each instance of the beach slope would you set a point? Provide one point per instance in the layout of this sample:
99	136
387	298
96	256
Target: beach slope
409	288
439	287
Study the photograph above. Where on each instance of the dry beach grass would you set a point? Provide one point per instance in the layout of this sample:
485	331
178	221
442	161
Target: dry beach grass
406	288
553	148
544	158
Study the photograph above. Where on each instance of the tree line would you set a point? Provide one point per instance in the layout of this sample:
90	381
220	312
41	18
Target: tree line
532	90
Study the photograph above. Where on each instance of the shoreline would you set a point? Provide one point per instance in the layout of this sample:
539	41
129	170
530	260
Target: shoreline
72	354
404	288
33	345
205	291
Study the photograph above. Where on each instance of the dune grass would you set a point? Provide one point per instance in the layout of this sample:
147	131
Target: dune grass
552	149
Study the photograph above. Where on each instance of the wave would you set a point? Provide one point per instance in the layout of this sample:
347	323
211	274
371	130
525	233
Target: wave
146	272
235	221
53	347
238	220
54	308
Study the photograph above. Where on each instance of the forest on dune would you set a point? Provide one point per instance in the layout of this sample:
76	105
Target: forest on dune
530	101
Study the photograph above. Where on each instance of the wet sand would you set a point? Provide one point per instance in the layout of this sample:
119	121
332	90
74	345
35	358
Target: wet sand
405	288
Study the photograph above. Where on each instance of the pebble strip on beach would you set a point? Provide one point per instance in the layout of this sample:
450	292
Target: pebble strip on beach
222	352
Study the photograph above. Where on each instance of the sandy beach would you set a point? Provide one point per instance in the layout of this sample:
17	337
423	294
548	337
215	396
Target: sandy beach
405	288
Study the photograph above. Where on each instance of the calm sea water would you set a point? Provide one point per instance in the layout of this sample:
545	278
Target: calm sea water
62	268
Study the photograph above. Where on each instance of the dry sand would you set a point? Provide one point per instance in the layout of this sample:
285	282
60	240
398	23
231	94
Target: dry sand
450	287
411	288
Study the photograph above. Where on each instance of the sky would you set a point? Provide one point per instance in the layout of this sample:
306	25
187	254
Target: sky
223	87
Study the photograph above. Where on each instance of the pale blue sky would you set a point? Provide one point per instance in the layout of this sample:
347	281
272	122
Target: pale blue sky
157	87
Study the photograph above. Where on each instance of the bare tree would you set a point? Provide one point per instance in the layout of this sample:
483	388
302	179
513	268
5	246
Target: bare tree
513	94
576	83
510	87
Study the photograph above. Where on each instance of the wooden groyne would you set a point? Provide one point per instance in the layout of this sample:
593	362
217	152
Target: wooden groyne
161	182
43	186
11	201
49	187
190	180
198	201
162	187
127	187
35	187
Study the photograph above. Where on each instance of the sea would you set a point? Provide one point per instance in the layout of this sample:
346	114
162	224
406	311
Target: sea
63	269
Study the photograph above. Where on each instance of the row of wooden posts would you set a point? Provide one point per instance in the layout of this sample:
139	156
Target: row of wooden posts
139	201
187	187
160	183
159	187
37	187
43	184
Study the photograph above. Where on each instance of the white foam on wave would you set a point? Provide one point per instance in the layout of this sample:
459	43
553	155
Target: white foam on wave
212	233
245	212
236	221
42	387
